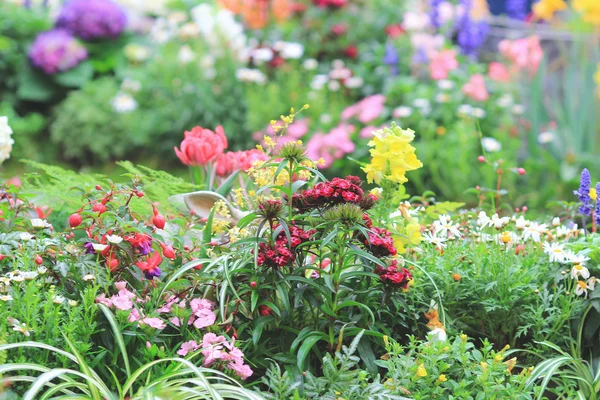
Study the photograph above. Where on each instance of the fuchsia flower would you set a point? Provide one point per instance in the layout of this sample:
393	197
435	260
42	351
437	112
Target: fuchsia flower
498	72
441	63
332	146
366	110
150	267
475	88
201	146
524	54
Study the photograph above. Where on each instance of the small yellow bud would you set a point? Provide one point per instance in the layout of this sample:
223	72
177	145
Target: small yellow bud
305	106
464	337
292	110
442	378
386	340
484	365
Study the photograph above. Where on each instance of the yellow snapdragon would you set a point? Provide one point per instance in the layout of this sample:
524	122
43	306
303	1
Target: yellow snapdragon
589	9
545	9
391	155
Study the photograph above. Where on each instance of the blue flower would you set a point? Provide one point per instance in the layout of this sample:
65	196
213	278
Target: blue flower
471	33
584	192
391	58
516	9
597	212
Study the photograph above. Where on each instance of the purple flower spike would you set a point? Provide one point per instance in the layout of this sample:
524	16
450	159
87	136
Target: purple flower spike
56	51
584	192
93	19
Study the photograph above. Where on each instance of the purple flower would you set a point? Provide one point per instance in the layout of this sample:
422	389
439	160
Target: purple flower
391	58
153	273
597	212
434	13
471	33
92	19
89	248
56	51
516	9
584	192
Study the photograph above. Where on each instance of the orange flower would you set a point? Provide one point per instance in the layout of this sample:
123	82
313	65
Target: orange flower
456	277
434	322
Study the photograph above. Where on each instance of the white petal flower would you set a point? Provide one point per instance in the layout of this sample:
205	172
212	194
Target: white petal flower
491	145
579	270
114	239
39	223
99	248
123	103
26	236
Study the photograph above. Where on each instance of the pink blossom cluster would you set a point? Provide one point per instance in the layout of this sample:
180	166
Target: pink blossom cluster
366	110
524	54
202	312
125	300
498	72
475	88
331	146
218	351
442	63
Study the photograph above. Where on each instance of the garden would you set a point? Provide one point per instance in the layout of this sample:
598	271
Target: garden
299	199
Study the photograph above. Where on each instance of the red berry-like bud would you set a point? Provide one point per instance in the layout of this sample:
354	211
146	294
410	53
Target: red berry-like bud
519	249
139	194
98	187
198	267
2	257
525	208
521	171
252	284
75	220
113	263
159	221
39	260
99	208
481	159
168	252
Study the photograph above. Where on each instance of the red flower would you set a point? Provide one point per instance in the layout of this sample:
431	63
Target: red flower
159	221
225	164
395	30
150	266
394	275
201	146
265	311
351	51
141	242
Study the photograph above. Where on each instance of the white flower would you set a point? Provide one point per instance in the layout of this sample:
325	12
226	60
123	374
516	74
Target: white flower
319	82
189	30
88	277
310	64
545	137
576	258
556	251
435	240
402	112
290	50
415	21
131	85
591	283
506	100
262	55
354	82
29	276
337	64
186	55
123	103
325	119
491	145
483	220
58	299
6	141
421	103
26	236
579	270
99	248
555	221
6	297
533	231
465	110
334	86
499	222
251	75
42	270
521	223
444	225
114	239
72	303
442	98
438	335
583	287
39	223
445	84
518	109
478	113
340	73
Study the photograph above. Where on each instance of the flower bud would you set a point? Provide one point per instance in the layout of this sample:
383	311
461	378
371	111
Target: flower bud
168	252
253	284
521	171
75	220
99	208
39	260
159	221
481	159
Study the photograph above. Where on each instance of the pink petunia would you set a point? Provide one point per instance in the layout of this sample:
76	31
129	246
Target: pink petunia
134	315
102	299
366	110
475	88
204	318
121	285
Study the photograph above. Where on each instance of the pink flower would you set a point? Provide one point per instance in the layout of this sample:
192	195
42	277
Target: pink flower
103	300
295	131
441	63
201	304
204	318
201	146
367	131
245	159
122	302
331	146
498	72
240	369
134	315
155	323
366	110
225	164
188	347
475	88
524	54
121	285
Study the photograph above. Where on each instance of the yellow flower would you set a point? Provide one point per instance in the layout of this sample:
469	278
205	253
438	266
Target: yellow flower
589	9
464	338
392	155
442	378
505	237
545	9
510	364
421	371
593	194
484	365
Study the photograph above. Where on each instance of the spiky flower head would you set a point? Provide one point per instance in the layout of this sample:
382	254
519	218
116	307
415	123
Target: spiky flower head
348	214
584	192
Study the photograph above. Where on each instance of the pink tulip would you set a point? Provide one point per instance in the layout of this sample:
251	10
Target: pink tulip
201	146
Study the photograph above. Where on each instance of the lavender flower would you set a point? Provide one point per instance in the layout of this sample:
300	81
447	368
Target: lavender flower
597	212
434	12
391	58
56	51
584	192
471	33
516	9
92	19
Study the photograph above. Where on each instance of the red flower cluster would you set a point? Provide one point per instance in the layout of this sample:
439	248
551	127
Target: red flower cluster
141	242
380	242
336	191
330	3
279	254
394	275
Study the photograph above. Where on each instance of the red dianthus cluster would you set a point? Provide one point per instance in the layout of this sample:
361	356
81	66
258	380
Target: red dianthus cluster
281	253
336	191
394	275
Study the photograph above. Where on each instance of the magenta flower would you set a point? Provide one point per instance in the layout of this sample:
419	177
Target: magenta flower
56	51
92	19
332	146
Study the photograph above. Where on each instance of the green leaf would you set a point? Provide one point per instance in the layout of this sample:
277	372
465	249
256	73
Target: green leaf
76	77
34	85
307	345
